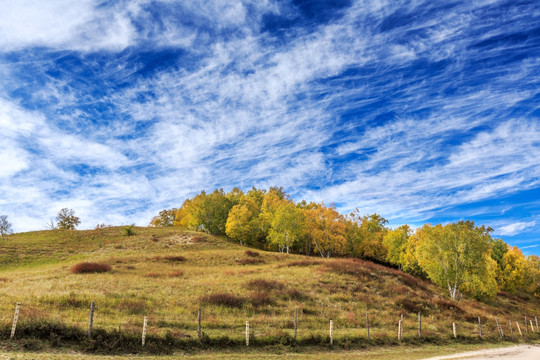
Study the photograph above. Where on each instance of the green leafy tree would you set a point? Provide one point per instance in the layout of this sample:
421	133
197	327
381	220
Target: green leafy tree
66	219
327	230
286	226
205	212
532	275
243	223
165	218
396	242
365	236
458	257
513	269
5	227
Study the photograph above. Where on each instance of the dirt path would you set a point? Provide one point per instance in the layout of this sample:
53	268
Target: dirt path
520	352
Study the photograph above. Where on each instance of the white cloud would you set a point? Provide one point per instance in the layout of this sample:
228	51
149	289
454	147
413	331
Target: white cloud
514	229
255	110
75	25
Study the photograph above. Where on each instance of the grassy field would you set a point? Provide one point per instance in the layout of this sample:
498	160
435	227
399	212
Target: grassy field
167	273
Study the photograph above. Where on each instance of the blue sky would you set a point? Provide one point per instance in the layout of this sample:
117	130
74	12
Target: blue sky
422	111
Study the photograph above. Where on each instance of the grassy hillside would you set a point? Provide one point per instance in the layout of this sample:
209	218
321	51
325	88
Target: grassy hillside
167	273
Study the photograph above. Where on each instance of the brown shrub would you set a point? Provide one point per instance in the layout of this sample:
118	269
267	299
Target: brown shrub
293	294
260	298
349	267
409	303
176	273
250	261
262	284
392	289
89	267
224	299
170	258
251	253
304	263
412	282
445	304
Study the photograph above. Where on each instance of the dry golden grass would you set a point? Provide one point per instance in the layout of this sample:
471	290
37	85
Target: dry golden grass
167	273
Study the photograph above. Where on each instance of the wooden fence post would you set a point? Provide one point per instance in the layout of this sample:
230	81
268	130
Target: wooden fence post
454	329
532	327
399	333
511	331
499	329
526	326
15	319
144	330
479	327
331	332
91	320
419	324
247	333
367	325
199	332
536	320
519	329
295	323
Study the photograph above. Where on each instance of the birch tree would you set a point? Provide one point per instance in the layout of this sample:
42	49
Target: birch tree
457	256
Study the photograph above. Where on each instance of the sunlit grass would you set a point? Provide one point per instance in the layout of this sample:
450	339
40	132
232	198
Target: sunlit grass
166	274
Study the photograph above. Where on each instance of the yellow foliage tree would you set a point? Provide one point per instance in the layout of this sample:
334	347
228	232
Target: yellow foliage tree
327	230
513	270
243	223
286	226
457	256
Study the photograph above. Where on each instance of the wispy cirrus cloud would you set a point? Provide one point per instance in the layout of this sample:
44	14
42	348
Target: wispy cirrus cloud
515	228
416	110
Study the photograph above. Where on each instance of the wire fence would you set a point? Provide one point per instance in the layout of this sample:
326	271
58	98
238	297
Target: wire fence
207	323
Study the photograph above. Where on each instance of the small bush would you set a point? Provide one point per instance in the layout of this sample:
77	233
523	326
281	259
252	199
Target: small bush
293	294
90	267
260	298
350	267
304	263
224	299
262	284
412	282
409	304
252	253
176	258
129	231
445	304
176	273
250	261
170	258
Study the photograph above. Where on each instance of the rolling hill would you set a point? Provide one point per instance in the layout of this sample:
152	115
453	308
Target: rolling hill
167	273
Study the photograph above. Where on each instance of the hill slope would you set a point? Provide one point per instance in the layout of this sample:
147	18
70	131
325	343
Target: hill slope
167	273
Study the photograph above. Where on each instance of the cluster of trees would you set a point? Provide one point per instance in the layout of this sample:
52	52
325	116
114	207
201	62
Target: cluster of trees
460	257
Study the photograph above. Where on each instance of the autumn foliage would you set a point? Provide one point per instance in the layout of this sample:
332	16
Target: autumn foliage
460	257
